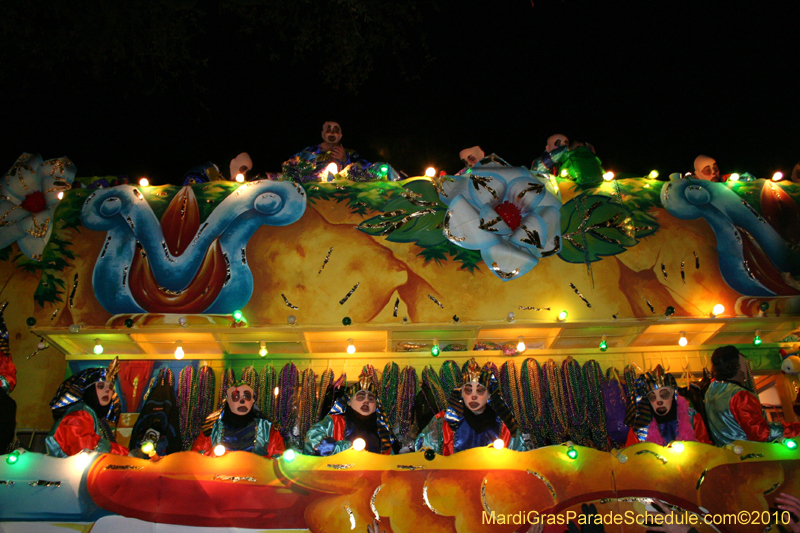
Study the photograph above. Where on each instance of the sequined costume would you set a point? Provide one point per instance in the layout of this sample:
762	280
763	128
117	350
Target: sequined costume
81	429
243	434
81	421
8	380
457	428
734	413
337	431
319	159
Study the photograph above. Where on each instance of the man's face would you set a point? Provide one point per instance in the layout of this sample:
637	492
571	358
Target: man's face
105	390
742	374
475	397
364	403
470	156
661	400
705	168
240	399
331	132
556	141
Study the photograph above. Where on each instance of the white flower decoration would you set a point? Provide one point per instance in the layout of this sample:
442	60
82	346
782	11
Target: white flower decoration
29	194
510	214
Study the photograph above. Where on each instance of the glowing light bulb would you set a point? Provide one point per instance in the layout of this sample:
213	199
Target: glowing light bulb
790	443
521	345
219	449
98	348
653	174
778	176
562	316
82	460
276	391
240	178
237	315
564	173
262	351
148	447
733	177
430	172
608	176
677	446
435	348
179	350
332	170
757	338
289	455
13	457
384	169
351	348
144	182
718	310
572	453
60	195
603	344
683	341
498	444
359	444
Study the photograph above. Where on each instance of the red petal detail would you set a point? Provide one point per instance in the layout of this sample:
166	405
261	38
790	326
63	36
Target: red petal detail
762	268
781	211
180	221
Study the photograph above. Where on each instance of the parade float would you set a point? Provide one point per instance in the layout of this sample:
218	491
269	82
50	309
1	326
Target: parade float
568	286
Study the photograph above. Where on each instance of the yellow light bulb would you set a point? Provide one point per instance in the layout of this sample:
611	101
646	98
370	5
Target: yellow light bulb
718	310
677	446
733	177
263	349
653	174
351	348
60	195
179	351
608	176
240	177
82	460
276	391
778	176
564	173
430	172
219	449
331	171
683	341
359	444
498	444
521	345
144	182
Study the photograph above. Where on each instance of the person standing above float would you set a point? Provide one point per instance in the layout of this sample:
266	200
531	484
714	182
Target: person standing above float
733	412
545	163
330	150
470	157
82	408
239	426
358	414
486	419
705	168
663	415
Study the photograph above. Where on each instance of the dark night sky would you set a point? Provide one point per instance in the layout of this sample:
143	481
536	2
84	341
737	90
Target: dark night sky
650	84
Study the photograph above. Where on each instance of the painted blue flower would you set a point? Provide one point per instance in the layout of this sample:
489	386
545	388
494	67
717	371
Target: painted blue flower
29	194
510	214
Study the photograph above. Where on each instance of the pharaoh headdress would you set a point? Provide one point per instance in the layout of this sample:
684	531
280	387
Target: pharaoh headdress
73	388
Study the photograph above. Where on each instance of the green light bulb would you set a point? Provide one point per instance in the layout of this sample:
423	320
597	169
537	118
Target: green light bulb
13	457
756	340
603	346
237	315
98	348
790	443
572	453
435	350
289	455
384	169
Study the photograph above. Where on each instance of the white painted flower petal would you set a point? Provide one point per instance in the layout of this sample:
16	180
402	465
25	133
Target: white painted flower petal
451	189
531	234
462	226
485	188
526	193
552	217
11	212
24	180
508	262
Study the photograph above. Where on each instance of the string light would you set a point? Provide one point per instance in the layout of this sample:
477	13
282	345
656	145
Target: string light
263	350
13	457
683	341
603	344
757	338
676	446
60	195
237	316
219	450
383	169
359	444
430	172
608	176
332	169
790	443
653	174
179	350
144	182
564	173
572	453
276	391
351	348
240	178
521	345
82	460
718	310
435	348
562	316
733	177
778	176
98	348
147	447
288	455
498	444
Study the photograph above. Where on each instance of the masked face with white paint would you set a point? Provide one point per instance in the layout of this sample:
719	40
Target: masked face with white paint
471	156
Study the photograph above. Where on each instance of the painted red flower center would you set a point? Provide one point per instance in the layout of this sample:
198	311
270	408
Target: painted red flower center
34	202
510	214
